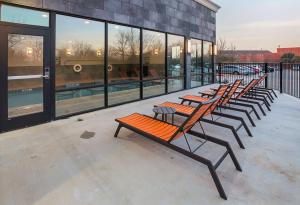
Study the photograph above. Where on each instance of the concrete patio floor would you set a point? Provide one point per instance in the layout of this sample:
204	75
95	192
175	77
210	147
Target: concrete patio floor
51	164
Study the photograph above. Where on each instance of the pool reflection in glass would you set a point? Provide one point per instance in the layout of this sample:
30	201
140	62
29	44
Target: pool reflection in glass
73	101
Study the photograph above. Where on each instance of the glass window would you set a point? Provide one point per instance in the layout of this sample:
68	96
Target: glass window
25	71
196	64
207	57
120	93
154	62
154	87
123	64
79	64
20	15
175	63
74	101
123	54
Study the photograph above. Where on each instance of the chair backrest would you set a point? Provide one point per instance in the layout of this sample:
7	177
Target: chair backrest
261	79
232	91
197	114
221	92
248	88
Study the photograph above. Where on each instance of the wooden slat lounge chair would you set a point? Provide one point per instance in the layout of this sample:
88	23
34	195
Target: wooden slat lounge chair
165	133
186	110
226	102
258	93
244	97
260	88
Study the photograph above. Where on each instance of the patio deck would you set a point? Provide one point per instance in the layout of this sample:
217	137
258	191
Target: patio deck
51	164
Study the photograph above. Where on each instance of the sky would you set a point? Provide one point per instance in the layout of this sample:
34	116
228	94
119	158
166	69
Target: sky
259	24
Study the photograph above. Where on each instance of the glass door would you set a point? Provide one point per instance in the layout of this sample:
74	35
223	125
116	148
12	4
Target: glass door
25	70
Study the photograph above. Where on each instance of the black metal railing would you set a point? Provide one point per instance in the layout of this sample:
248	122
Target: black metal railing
284	77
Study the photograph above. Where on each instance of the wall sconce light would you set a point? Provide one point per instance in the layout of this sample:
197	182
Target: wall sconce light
189	46
69	52
215	49
29	51
98	53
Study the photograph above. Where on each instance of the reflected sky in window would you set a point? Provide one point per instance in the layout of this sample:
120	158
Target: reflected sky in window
24	16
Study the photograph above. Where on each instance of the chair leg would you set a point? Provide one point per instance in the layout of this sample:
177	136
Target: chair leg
235	134
217	181
260	100
272	90
243	123
268	96
219	142
117	131
210	166
203	160
247	105
253	102
268	93
244	111
263	94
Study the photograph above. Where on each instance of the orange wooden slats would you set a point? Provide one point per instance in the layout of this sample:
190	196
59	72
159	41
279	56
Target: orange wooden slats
194	98
150	125
184	109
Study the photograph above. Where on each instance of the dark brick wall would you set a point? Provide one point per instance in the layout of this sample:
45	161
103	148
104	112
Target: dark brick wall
184	17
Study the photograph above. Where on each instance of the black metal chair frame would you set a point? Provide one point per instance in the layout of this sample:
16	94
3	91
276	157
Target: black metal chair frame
257	89
228	106
220	114
189	153
248	99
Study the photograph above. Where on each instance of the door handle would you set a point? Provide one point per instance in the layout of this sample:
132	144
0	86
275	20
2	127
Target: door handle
47	73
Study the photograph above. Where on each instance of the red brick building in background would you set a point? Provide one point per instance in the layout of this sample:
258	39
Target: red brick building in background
260	55
295	50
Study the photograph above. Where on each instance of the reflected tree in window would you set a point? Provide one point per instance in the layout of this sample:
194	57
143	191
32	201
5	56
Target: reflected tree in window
123	54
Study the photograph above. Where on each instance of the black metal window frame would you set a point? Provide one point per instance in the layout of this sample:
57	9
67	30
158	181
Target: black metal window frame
53	90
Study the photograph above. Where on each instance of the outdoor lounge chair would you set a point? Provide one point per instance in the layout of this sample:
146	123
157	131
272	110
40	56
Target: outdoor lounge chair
186	110
165	133
258	93
244	97
227	102
269	91
263	92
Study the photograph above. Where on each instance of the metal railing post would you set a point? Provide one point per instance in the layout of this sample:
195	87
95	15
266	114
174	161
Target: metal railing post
266	72
280	77
220	72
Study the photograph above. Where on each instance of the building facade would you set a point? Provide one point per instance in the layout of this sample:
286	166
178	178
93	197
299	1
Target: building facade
65	57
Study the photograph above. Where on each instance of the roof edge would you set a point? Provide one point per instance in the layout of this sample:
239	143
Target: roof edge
209	4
